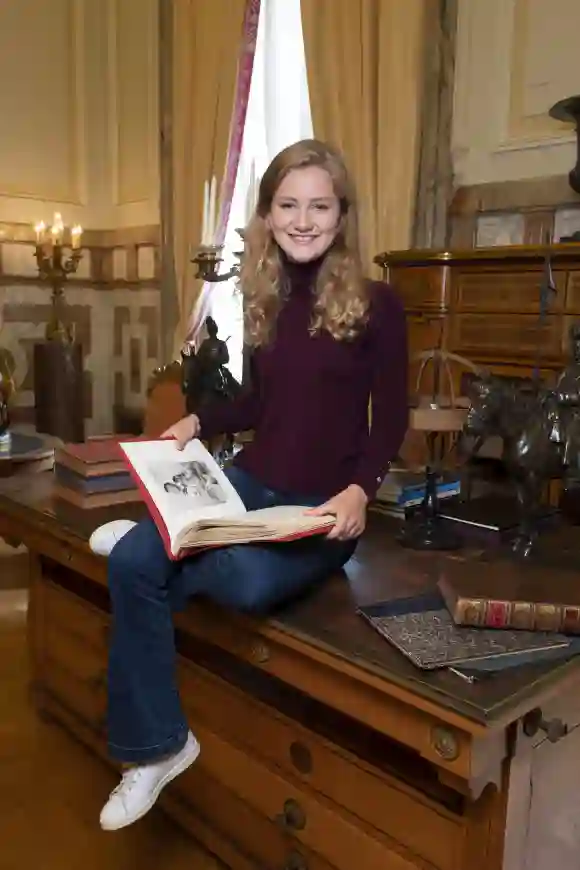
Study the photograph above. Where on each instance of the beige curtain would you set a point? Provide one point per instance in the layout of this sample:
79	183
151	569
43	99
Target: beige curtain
207	35
365	72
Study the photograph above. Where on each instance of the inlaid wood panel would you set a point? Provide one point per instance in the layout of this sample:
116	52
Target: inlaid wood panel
573	293
424	331
507	336
505	291
423	288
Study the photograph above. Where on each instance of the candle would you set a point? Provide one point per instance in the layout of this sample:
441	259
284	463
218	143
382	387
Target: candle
57	229
250	194
212	211
208	226
75	236
40	229
204	226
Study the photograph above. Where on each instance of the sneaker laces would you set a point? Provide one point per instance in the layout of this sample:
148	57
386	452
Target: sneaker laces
129	780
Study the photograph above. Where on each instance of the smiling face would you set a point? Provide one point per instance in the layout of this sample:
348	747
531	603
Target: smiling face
305	214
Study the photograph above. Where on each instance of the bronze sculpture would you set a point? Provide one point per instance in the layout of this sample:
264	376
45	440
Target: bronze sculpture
529	421
540	430
206	379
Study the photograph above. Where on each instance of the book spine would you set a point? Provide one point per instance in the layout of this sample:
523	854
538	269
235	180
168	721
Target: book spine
492	613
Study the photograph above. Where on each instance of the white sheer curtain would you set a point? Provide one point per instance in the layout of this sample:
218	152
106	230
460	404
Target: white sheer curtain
278	114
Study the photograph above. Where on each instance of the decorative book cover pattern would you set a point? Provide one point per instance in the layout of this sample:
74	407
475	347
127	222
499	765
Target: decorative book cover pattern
423	630
526	615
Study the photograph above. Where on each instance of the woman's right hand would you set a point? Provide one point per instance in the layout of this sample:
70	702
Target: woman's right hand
184	430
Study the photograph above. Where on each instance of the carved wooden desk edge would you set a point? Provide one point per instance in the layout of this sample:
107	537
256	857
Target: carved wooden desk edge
498	254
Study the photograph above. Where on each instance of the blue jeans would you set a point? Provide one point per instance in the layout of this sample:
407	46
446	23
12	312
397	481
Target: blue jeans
145	717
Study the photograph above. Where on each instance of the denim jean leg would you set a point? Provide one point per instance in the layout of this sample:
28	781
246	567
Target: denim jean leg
145	717
258	578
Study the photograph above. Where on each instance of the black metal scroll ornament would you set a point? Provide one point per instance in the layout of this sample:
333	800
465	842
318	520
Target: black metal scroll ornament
568	110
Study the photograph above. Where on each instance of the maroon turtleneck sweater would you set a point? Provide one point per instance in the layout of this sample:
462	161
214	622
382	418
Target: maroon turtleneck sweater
309	397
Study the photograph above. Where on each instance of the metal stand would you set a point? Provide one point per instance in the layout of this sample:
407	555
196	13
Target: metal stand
426	530
59	390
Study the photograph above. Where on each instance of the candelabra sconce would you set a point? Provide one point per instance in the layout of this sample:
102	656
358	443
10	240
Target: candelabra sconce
59	397
54	267
208	259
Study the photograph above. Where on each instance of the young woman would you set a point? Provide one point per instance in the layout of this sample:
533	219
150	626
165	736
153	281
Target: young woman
325	342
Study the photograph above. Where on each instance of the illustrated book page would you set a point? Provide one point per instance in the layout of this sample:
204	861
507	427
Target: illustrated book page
194	505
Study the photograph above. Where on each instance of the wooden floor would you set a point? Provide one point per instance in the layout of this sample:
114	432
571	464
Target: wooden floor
52	789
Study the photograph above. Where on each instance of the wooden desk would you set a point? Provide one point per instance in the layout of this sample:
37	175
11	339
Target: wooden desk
322	747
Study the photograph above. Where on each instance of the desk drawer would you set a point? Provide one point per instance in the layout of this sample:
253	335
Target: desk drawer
391	807
75	617
199	796
508	336
76	694
74	666
420	287
337	836
505	291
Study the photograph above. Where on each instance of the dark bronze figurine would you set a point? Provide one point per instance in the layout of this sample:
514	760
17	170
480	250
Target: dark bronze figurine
540	430
206	379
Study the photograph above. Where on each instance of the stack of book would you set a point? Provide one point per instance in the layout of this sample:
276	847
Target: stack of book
402	491
93	474
486	615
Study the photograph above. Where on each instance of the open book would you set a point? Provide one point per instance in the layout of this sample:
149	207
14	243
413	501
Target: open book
194	505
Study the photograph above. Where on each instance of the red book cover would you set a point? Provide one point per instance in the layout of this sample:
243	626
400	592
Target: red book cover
194	505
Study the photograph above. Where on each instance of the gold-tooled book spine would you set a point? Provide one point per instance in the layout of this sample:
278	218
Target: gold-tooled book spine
492	613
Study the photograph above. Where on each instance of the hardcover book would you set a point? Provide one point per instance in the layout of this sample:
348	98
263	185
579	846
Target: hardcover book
490	520
507	594
92	458
422	629
194	505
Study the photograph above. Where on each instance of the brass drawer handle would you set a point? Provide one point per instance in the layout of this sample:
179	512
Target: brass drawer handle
295	861
260	653
292	817
534	721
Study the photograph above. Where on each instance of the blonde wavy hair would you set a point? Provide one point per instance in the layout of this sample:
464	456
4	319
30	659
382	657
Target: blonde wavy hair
341	299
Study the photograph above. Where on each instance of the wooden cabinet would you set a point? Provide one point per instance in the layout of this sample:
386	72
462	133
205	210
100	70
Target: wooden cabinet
485	303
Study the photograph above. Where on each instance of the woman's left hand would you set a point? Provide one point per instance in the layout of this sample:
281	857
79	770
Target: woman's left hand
350	509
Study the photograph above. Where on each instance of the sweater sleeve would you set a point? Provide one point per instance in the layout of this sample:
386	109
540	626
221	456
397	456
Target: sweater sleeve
389	394
239	415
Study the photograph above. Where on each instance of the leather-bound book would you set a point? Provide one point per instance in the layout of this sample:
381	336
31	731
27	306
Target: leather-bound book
95	457
508	594
93	474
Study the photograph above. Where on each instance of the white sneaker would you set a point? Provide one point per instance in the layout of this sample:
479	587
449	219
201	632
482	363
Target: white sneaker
105	537
141	786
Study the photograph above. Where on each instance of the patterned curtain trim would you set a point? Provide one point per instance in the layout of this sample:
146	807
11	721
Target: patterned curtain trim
246	65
